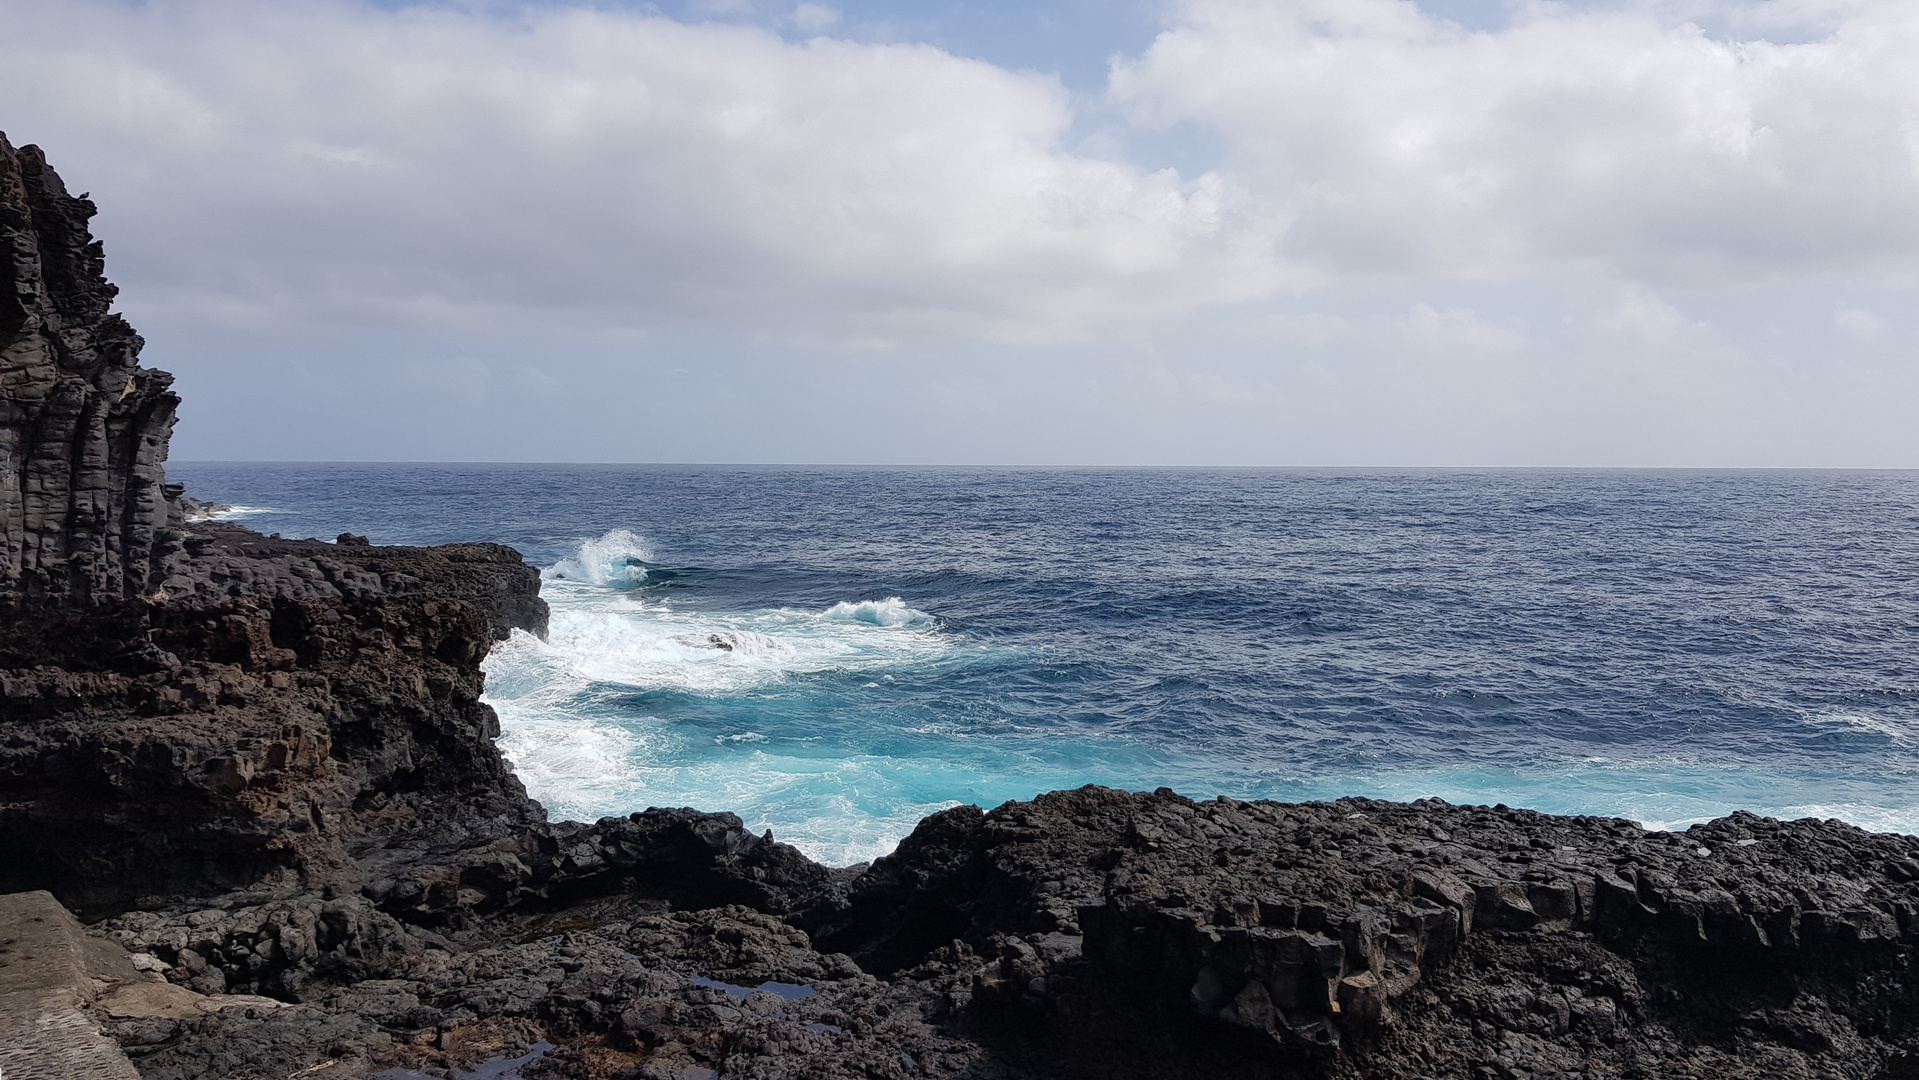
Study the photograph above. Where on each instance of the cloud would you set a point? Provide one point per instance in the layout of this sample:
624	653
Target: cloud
1860	325
814	18
432	166
1378	140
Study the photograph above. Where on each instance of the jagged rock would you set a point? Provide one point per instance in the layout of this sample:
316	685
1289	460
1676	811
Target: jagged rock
192	509
1052	939
85	514
1172	938
186	706
203	745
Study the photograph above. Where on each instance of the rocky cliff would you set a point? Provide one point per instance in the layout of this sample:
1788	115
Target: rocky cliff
262	768
84	511
187	707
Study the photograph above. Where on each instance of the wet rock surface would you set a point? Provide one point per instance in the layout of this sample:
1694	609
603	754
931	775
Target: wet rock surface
261	769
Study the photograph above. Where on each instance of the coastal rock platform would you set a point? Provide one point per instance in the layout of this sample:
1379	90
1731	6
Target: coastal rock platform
1090	933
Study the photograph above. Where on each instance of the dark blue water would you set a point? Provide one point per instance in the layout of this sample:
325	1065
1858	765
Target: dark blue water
832	653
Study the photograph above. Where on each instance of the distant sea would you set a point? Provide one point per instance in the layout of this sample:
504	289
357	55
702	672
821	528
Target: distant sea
833	653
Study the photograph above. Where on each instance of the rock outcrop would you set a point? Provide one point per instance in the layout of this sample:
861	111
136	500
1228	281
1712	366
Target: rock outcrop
85	514
288	706
186	706
1096	933
1165	937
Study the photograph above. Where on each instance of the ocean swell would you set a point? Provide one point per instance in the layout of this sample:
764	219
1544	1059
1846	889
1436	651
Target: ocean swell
1291	637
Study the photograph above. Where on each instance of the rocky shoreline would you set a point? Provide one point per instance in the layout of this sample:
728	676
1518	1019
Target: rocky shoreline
260	768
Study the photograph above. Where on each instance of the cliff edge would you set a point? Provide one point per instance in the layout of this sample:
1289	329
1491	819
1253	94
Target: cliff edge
189	707
85	514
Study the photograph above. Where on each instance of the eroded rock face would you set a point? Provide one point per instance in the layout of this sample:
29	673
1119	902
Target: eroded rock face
200	745
187	707
85	514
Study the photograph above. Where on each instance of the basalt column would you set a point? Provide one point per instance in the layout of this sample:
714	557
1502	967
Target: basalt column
85	514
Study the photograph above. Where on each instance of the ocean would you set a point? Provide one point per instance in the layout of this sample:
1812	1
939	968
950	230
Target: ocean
833	653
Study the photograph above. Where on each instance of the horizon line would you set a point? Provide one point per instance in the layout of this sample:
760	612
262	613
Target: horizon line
1035	466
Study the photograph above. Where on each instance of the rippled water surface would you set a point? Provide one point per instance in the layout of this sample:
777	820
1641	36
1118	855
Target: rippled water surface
833	653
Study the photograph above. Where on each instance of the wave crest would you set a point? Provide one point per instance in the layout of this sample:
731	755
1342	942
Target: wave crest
235	513
891	611
616	560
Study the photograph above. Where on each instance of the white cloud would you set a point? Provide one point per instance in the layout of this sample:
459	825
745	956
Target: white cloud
1460	330
331	160
1860	325
814	18
433	164
1606	232
1383	141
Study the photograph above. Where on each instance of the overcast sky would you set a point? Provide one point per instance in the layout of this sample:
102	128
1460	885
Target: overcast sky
1312	232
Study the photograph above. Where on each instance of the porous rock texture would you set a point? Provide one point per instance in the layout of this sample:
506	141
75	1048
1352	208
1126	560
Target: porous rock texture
1097	933
262	769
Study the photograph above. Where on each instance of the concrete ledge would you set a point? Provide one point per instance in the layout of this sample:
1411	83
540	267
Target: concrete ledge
47	980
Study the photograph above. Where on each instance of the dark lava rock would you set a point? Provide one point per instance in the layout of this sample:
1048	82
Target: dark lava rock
84	517
1171	938
1104	933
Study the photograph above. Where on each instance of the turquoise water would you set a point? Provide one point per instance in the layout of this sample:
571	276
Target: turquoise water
833	654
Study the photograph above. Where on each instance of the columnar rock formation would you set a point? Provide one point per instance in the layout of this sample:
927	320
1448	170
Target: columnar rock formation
189	706
85	516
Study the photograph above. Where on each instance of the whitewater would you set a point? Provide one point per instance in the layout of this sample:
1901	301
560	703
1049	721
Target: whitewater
833	654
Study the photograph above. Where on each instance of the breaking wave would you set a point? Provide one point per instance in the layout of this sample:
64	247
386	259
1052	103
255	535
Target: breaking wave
589	714
891	611
872	645
617	560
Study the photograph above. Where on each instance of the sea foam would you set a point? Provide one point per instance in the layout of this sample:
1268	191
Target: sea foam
581	731
891	611
617	559
664	645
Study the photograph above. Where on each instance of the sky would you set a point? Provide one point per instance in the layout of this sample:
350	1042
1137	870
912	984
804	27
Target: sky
1157	232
